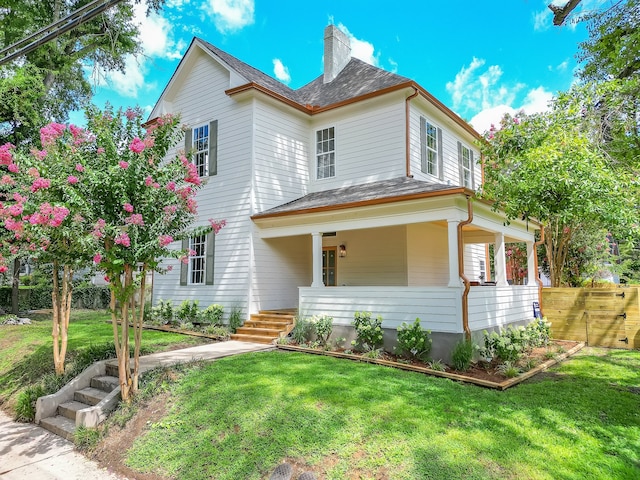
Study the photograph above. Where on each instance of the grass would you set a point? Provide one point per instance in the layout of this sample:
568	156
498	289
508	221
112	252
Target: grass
239	417
27	350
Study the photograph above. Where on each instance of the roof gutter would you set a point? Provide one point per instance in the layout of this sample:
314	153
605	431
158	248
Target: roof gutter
407	111
467	283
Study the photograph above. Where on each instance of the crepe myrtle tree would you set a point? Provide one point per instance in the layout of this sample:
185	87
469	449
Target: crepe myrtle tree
44	215
544	166
107	195
142	203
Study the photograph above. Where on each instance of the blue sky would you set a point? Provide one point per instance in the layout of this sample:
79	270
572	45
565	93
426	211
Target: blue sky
480	58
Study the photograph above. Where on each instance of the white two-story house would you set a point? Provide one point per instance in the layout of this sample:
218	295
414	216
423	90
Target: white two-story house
352	193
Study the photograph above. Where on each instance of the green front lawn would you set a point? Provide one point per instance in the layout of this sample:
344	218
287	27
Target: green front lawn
27	350
239	417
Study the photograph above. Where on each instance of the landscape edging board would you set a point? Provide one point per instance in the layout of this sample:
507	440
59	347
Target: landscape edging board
452	376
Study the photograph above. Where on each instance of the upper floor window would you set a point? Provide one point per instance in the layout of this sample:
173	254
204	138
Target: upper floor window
325	153
465	163
201	149
202	142
430	149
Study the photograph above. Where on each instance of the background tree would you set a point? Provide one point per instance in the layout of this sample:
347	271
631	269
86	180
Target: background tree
544	166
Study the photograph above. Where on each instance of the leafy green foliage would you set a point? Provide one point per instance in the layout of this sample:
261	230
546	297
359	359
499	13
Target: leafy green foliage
322	327
86	439
188	311
302	331
462	355
546	166
235	319
413	341
508	369
511	343
369	335
211	314
26	404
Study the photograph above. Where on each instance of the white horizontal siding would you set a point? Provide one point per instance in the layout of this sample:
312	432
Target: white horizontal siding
498	306
427	255
227	195
437	308
451	171
370	145
281	156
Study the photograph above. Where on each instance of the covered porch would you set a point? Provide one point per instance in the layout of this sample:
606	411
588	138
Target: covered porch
422	254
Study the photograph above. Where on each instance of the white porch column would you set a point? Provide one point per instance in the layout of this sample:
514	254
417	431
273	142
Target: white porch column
531	264
316	252
499	260
452	239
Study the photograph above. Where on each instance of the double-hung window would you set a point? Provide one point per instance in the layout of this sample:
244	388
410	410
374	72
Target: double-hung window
325	153
430	149
202	142
465	164
201	149
198	269
197	259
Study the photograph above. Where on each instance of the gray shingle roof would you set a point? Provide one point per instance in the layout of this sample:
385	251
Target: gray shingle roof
345	196
357	78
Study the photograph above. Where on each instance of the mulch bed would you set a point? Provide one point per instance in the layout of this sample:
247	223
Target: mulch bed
481	373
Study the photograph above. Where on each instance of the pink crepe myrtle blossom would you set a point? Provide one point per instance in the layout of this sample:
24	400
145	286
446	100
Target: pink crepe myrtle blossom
134	219
171	186
6	157
49	133
100	151
169	268
123	165
13	225
15	210
97	258
148	181
3	269
7	180
39	154
217	225
72	179
137	145
77	218
13	168
40	183
33	172
192	174
184	259
19	198
149	141
79	167
14	250
165	240
127	207
131	114
191	205
123	239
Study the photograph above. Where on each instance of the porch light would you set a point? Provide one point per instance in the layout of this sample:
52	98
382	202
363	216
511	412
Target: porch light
342	251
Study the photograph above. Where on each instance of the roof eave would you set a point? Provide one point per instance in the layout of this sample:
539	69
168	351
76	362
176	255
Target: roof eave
367	203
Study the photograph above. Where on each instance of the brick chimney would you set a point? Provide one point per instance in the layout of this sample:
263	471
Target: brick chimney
337	52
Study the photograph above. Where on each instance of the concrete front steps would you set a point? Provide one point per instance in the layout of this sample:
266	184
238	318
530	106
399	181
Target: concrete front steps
85	403
266	326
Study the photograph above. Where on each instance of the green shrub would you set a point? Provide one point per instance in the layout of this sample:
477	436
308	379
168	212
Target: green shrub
508	369
302	331
462	355
414	342
437	365
539	332
219	331
369	335
211	314
235	319
26	403
188	311
322	326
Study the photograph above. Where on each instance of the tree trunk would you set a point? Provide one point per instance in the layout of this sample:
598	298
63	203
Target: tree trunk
61	303
137	327
15	287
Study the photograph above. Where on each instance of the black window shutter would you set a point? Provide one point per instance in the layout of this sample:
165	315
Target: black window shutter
188	140
440	156
460	164
213	148
184	267
423	145
209	258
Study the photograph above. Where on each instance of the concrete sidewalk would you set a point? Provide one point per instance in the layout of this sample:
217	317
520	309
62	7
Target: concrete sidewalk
28	451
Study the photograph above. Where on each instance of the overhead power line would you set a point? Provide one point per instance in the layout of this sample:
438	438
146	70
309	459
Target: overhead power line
55	29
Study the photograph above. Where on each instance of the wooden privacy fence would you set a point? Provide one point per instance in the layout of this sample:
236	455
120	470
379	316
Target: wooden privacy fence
603	317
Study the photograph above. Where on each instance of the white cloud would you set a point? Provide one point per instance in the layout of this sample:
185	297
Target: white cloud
537	100
479	91
231	15
280	71
561	67
156	34
361	48
126	84
542	20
